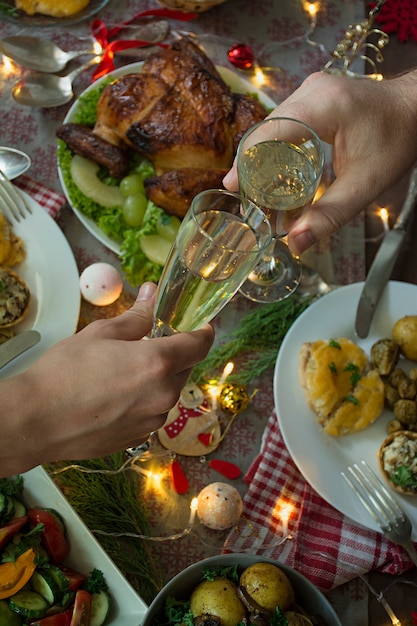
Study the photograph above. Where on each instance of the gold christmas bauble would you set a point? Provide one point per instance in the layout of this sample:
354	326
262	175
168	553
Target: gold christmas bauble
233	398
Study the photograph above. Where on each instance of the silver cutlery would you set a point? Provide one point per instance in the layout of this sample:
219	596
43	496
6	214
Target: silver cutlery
18	344
38	54
12	202
383	263
380	504
13	162
48	90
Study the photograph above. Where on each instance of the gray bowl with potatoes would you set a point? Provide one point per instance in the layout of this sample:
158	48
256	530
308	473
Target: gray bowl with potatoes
307	596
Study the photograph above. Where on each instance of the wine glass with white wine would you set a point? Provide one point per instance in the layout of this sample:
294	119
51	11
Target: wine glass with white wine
219	242
279	162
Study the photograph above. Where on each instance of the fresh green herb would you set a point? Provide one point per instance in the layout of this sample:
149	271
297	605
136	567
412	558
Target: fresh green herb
355	376
231	572
8	10
351	398
334	344
96	582
177	612
332	367
108	499
279	618
24	541
404	477
254	344
11	486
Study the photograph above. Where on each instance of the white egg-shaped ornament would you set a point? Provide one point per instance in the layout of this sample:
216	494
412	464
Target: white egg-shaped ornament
101	284
219	506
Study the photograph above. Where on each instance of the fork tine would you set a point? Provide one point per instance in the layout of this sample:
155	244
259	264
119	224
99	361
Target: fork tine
12	200
374	496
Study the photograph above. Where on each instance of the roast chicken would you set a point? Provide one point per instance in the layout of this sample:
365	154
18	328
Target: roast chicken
178	113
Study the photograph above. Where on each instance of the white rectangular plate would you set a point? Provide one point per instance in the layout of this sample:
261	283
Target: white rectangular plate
128	609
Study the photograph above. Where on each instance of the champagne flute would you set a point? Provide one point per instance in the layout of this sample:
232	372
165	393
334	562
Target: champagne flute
218	244
279	162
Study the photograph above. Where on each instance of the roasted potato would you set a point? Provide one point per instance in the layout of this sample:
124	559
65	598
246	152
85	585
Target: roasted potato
404	333
218	597
268	586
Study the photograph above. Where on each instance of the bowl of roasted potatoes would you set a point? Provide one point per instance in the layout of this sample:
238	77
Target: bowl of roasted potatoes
234	589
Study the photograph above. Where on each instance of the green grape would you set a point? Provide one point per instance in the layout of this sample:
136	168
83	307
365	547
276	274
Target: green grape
131	185
167	226
134	208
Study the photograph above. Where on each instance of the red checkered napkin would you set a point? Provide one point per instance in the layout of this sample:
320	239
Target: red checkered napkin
49	199
327	547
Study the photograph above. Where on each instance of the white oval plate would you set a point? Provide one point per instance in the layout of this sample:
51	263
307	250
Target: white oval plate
320	457
236	84
50	271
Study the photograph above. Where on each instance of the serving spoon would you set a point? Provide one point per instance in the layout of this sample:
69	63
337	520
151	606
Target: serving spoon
48	90
13	162
38	54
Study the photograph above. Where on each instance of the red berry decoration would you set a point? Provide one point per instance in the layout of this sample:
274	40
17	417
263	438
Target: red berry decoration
241	56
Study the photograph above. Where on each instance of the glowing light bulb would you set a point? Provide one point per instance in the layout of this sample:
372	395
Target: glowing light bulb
384	216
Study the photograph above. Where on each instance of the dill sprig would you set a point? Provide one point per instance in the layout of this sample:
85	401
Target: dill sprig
110	503
254	344
8	9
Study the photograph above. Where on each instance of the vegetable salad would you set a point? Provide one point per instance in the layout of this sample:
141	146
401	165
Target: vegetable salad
36	587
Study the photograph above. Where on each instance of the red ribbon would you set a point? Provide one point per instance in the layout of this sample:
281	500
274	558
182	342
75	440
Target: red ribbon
174	428
102	34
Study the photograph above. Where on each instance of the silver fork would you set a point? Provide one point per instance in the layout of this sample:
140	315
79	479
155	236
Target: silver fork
12	201
379	503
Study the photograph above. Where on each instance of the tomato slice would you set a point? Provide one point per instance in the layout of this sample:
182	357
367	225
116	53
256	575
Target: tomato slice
82	609
75	579
8	531
53	536
59	619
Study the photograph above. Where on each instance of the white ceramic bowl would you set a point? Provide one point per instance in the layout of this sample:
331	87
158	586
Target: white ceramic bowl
181	586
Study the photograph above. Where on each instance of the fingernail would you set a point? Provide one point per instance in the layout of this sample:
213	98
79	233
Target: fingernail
303	241
146	291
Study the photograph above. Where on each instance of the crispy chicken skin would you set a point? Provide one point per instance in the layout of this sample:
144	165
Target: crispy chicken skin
175	190
178	113
87	144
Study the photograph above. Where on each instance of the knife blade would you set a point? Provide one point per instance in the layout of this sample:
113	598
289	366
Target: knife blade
383	263
11	348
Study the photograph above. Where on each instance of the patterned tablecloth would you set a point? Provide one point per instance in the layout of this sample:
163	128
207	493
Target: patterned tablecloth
279	33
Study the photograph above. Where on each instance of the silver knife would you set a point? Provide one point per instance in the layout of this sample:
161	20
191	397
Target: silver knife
11	348
383	263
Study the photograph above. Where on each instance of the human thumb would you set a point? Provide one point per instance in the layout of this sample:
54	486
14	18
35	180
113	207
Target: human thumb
136	322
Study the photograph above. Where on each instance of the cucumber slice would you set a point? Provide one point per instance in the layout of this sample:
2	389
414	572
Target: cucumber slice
100	607
59	577
29	604
19	509
43	583
7	617
84	175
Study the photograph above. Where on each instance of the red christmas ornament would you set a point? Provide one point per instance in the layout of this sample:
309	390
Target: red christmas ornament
225	468
178	478
241	56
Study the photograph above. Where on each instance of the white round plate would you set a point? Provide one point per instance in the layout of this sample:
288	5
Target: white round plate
236	84
45	21
50	271
320	457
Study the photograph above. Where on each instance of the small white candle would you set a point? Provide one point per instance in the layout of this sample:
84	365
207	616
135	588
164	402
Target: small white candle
216	391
